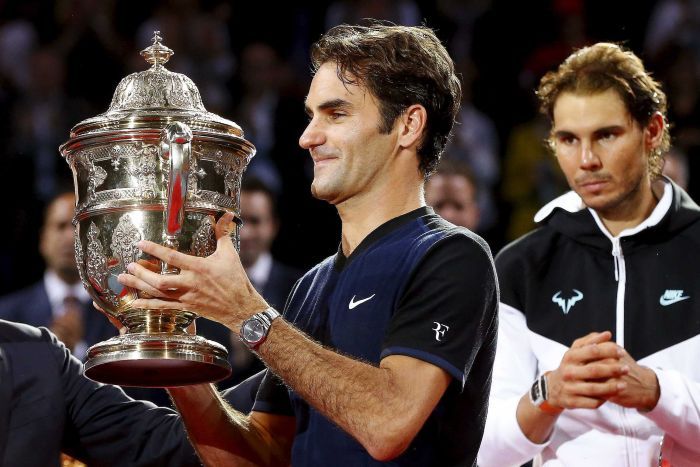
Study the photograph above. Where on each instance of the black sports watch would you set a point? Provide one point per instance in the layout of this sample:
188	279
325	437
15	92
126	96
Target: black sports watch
254	330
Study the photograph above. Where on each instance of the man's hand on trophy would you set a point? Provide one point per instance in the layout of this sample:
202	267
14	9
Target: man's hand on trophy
215	287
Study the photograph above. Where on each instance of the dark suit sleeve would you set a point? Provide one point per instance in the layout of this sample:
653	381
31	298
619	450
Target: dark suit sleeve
105	427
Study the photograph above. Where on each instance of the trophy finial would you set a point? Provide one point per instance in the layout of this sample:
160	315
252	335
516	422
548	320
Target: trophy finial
157	54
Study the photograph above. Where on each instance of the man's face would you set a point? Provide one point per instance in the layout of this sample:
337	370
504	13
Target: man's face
56	242
343	137
259	226
454	198
602	150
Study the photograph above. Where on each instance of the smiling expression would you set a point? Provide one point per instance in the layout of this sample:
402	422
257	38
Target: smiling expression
343	137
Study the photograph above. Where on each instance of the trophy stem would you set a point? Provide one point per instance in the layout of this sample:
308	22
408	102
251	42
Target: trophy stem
156	321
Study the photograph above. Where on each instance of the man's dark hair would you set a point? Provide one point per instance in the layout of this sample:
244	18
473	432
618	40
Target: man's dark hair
602	67
400	66
255	185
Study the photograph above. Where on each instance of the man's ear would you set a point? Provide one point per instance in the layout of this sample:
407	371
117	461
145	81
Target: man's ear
654	131
413	121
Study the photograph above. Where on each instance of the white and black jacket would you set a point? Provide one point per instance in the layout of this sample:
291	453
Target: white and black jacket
570	277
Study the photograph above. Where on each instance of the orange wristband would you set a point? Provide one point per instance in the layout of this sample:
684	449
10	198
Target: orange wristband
546	407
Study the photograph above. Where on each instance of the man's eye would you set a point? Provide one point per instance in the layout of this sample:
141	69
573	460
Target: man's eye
607	136
337	115
567	140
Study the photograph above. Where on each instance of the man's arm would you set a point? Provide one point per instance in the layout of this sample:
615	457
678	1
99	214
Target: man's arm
516	430
382	407
223	436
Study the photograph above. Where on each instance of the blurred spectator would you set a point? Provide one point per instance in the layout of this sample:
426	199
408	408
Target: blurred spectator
475	144
262	75
201	41
531	177
673	23
42	118
452	191
676	167
18	39
271	278
59	300
462	16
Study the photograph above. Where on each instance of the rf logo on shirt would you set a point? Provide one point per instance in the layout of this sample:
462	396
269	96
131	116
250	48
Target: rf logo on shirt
440	330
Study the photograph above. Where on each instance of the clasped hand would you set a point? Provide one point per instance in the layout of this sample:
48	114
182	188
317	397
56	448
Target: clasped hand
595	370
215	287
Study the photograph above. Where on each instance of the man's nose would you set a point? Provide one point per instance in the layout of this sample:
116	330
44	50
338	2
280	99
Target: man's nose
312	136
589	159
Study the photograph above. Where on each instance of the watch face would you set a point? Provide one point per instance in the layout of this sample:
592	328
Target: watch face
252	331
535	394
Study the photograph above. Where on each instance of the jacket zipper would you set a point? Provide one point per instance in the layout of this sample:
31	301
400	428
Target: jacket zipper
621	278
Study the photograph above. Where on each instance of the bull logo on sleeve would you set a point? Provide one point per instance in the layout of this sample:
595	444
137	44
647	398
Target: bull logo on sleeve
567	303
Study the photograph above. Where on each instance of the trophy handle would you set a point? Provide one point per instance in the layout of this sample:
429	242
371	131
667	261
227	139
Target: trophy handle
175	145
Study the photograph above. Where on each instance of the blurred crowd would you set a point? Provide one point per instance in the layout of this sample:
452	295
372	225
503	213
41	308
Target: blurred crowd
61	61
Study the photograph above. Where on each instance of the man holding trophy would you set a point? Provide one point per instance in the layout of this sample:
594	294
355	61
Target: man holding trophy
393	307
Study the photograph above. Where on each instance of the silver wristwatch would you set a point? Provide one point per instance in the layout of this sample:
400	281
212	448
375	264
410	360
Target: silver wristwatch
254	330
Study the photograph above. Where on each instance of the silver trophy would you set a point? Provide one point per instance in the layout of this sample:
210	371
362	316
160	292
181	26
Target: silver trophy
155	166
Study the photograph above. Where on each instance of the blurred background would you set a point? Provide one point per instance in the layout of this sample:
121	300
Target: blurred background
61	61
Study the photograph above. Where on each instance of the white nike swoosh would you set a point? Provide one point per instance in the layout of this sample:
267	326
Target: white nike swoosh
354	303
670	301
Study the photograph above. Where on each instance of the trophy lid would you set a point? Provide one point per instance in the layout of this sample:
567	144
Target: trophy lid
153	96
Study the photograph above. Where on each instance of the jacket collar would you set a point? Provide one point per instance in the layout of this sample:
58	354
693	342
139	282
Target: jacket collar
569	215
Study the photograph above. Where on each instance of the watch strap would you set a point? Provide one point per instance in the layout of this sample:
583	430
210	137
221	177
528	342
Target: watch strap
539	395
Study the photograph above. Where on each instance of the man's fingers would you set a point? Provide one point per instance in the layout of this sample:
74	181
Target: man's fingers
168	255
150	282
135	283
579	402
594	371
592	352
592	338
224	226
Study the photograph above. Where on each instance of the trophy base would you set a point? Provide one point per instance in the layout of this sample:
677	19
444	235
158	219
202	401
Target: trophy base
155	360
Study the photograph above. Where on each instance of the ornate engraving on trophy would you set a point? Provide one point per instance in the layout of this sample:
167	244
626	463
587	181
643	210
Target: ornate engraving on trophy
96	177
232	175
204	239
96	261
156	88
122	180
124	239
196	174
143	168
80	259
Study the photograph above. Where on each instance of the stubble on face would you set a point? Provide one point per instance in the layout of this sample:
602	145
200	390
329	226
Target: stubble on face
343	137
614	180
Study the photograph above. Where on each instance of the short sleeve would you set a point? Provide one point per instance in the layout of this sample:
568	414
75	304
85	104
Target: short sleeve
448	308
273	396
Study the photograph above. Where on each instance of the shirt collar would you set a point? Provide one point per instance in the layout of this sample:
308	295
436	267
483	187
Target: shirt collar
259	272
57	291
654	218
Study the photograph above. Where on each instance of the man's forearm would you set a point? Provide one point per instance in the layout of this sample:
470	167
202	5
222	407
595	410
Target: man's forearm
368	402
220	435
535	424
